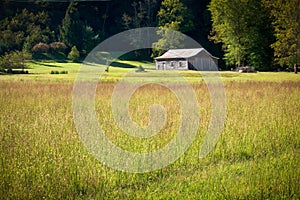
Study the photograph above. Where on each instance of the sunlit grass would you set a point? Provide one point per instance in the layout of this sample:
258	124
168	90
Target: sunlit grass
257	156
41	71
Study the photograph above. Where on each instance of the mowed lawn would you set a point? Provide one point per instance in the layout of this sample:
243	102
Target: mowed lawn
256	157
41	71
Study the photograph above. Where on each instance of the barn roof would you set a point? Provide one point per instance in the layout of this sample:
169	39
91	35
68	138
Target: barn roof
182	53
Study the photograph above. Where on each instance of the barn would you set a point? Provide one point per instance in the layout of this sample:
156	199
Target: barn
184	59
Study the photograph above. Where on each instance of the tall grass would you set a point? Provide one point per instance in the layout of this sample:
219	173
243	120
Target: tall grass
257	156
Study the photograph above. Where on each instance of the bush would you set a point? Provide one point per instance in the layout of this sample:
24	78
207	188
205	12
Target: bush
64	72
74	54
40	48
58	47
140	69
15	59
57	72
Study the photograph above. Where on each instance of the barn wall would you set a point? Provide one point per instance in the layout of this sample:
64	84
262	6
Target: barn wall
172	65
203	62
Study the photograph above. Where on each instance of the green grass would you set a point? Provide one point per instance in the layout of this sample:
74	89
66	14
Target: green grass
40	71
256	157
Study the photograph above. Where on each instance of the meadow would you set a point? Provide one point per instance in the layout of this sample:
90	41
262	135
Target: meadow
256	157
41	71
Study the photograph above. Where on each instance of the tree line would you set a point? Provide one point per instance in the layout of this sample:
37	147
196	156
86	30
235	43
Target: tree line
259	33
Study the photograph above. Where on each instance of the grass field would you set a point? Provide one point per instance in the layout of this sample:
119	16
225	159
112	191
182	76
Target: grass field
41	71
256	157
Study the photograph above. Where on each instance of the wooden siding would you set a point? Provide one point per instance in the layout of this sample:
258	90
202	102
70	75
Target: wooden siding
203	62
172	65
184	59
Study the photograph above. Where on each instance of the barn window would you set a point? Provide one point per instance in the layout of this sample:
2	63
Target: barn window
172	65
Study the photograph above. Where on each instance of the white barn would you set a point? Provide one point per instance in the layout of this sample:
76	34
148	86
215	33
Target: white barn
184	59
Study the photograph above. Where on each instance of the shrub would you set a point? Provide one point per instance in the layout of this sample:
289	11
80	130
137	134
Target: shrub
64	72
54	72
58	47
40	48
15	59
57	72
74	54
107	69
140	69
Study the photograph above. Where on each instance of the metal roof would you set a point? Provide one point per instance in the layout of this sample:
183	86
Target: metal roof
182	53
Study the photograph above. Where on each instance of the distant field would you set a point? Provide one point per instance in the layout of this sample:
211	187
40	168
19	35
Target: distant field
42	71
256	157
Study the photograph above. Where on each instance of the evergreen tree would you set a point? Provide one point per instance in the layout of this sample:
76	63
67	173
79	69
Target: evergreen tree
74	32
74	54
70	31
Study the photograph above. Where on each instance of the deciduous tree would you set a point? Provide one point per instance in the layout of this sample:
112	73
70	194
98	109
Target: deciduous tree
15	59
286	15
244	29
173	15
23	31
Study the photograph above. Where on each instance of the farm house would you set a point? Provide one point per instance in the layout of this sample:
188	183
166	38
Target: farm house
184	59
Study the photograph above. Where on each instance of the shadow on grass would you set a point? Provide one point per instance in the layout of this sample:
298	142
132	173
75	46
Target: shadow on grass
122	65
45	64
50	57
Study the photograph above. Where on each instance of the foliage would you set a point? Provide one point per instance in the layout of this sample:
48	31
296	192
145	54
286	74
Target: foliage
58	47
244	29
172	16
40	48
15	59
174	11
287	30
52	51
74	54
71	26
58	72
23	31
74	32
170	38
143	15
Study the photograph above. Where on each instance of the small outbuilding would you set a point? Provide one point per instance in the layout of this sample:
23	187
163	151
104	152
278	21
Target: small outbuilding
185	59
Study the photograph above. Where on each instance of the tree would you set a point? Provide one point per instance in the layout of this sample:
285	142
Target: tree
70	30
173	15
244	29
23	31
74	54
74	32
14	60
58	47
143	15
40	48
89	39
286	15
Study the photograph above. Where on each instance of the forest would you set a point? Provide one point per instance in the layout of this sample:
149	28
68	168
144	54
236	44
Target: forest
262	34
